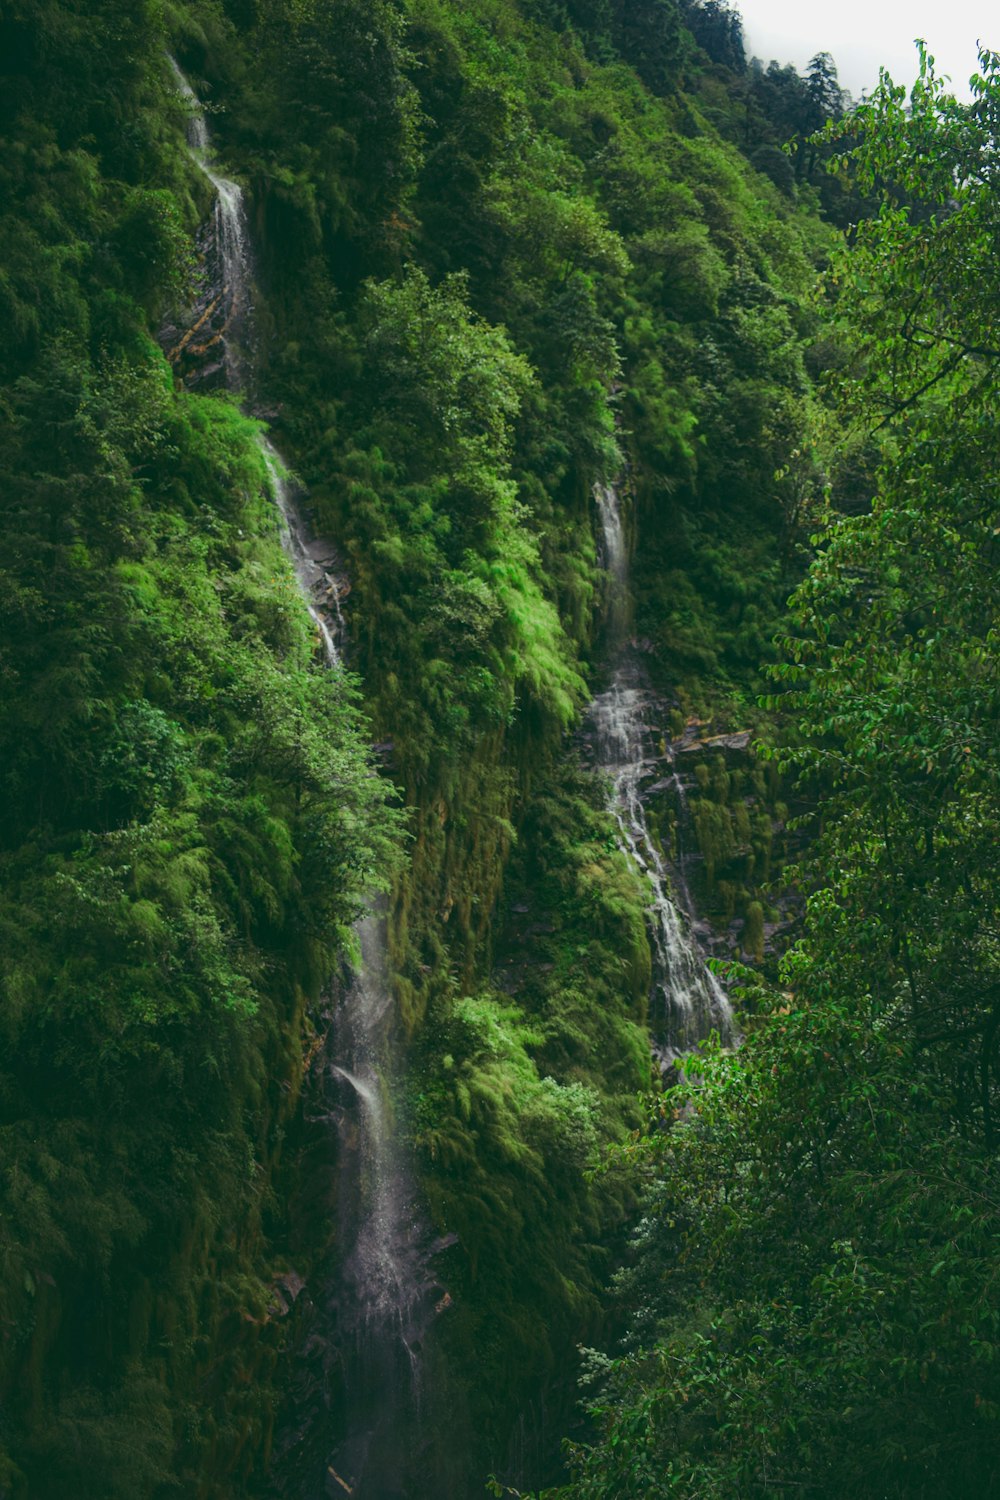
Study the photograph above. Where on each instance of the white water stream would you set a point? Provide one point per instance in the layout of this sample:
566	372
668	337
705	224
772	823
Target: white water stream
311	569
379	1265
320	591
383	1300
689	1002
230	231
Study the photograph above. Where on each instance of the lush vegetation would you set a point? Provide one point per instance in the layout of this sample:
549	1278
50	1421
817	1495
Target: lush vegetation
494	260
189	821
815	1269
503	250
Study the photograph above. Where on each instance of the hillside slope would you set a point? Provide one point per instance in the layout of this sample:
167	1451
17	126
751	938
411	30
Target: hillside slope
502	253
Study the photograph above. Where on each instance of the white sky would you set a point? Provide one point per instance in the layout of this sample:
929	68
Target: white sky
862	34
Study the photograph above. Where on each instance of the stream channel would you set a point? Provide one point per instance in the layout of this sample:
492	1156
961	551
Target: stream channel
367	1326
688	1002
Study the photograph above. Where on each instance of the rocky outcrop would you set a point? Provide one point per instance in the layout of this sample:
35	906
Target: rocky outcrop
719	816
195	338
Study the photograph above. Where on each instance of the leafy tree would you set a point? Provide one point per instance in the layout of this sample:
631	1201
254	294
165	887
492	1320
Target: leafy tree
780	94
812	1273
717	27
648	34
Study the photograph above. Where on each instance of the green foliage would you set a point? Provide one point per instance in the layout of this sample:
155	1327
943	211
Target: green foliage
444	562
189	822
504	1149
512	1093
495	251
829	1194
574	948
595	233
787	1282
896	624
190	826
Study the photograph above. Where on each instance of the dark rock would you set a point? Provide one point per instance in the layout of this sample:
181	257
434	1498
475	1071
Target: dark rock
729	744
194	338
291	1283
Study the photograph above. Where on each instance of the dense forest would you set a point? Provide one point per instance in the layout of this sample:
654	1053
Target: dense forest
497	511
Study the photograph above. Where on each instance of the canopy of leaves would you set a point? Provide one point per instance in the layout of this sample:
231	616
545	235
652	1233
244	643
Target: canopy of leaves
813	1276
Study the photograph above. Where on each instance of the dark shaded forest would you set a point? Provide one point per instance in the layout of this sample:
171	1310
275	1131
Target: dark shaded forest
497	261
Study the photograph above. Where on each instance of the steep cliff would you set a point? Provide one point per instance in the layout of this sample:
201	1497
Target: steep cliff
497	255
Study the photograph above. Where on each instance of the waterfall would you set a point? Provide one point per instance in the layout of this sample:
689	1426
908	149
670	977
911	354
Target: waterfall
230	233
382	1303
380	1269
361	1435
614	557
314	580
688	1000
320	590
364	1414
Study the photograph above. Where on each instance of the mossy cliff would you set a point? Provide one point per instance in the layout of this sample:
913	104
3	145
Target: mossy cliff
502	252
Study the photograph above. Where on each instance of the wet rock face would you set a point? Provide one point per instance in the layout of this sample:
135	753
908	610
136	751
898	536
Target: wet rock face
193	338
727	827
719	821
198	339
693	742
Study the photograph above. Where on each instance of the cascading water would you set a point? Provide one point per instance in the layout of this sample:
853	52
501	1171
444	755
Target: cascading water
320	591
230	234
312	569
383	1299
371	1317
690	1003
364	1414
615	559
